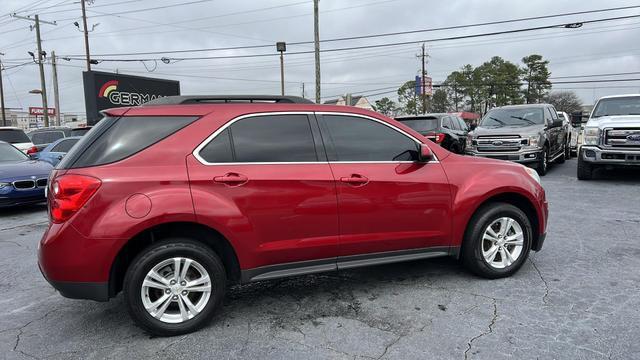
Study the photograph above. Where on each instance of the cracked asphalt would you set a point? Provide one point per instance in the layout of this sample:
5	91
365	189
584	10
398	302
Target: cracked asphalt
579	298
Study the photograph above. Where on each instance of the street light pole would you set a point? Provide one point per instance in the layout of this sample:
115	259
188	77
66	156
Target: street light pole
281	47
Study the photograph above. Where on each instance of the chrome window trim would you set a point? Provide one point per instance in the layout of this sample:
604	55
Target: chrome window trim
205	142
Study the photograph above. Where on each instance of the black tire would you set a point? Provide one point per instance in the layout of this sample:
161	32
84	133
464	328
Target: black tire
472	256
567	150
543	162
585	169
454	149
155	254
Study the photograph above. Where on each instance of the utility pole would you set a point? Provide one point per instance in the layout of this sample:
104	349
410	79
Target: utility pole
86	35
316	37
303	94
43	86
56	94
4	115
422	80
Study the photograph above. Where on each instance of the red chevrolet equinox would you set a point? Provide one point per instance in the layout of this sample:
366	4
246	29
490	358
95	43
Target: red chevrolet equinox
173	201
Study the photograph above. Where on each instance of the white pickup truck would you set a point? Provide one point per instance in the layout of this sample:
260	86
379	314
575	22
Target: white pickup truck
611	136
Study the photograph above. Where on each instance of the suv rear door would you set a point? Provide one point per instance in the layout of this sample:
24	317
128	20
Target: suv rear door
387	202
265	180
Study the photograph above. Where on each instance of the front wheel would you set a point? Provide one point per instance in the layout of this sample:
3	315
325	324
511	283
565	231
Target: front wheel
174	287
585	169
497	241
543	162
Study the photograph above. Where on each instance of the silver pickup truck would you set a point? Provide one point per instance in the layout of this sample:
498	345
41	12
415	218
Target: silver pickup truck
611	136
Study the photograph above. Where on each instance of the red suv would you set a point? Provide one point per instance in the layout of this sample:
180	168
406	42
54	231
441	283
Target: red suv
173	201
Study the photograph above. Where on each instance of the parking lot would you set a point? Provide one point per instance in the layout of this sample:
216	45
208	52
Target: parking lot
577	299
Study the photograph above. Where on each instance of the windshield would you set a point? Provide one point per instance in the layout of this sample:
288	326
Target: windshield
421	125
521	116
13	136
9	153
618	106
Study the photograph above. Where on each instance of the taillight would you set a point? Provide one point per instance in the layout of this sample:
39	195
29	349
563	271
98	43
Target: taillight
32	150
68	193
436	137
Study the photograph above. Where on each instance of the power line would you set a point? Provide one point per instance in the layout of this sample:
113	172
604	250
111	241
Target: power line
380	45
383	34
147	9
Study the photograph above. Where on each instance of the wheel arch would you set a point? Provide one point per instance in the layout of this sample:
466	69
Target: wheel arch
196	231
516	199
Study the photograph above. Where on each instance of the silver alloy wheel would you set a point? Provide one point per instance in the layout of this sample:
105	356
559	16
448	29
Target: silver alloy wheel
502	242
176	290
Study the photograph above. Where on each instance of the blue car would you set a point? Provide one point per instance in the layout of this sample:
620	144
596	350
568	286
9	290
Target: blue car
55	151
22	179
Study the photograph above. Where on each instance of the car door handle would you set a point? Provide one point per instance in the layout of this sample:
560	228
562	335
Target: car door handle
231	179
355	180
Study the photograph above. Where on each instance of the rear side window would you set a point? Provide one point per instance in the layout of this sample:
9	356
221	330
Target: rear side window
446	123
353	138
13	136
117	138
46	137
64	145
268	138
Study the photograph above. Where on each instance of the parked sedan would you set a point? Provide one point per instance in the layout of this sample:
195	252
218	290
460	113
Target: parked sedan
55	151
16	137
447	130
22	179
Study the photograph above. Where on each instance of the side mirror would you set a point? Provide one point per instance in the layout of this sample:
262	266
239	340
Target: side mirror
557	123
425	154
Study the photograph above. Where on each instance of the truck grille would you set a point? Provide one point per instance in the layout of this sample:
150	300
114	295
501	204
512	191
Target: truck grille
505	143
627	138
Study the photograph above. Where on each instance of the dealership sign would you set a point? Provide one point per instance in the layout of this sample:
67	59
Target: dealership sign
39	111
106	90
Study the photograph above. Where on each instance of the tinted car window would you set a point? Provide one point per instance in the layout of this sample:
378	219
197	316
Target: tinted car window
46	137
79	131
516	116
273	138
13	136
218	150
64	145
357	139
422	125
119	138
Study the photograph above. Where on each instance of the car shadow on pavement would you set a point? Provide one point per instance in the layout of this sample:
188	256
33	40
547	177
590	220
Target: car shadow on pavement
629	175
22	210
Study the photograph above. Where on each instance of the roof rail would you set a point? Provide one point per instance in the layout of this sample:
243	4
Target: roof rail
224	99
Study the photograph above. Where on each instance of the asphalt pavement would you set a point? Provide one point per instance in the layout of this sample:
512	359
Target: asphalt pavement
579	298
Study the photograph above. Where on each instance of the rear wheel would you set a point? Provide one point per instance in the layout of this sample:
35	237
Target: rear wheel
562	157
174	287
567	150
498	241
585	169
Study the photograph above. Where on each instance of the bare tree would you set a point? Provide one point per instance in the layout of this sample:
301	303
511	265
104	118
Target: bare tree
567	101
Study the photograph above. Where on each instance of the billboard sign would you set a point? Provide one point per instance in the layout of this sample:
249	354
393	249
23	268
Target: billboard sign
424	85
104	90
39	111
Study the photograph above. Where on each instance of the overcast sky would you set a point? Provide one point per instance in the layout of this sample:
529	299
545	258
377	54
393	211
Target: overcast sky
601	48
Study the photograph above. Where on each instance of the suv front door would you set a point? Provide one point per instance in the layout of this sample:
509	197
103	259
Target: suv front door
265	178
386	200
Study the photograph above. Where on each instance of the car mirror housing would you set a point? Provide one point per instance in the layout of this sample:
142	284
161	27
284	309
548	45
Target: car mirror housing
425	154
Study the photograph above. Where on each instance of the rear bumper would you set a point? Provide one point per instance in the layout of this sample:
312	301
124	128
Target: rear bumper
98	291
522	157
621	157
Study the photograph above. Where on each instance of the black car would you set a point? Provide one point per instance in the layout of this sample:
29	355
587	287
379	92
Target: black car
448	130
